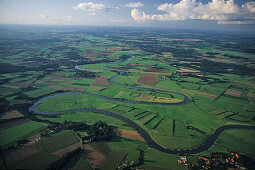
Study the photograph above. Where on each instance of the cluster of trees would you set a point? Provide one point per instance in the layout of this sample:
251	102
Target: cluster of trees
4	105
10	68
85	74
73	55
97	131
100	131
76	126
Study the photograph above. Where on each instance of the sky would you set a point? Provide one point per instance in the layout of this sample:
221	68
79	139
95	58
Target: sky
189	14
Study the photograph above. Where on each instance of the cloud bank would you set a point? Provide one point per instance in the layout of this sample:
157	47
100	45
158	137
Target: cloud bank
134	5
222	11
53	18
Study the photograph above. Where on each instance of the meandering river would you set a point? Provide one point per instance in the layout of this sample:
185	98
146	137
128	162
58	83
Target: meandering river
150	141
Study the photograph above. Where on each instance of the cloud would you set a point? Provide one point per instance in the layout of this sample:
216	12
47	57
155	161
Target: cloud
92	7
67	18
117	20
218	10
53	18
134	5
236	22
250	6
92	14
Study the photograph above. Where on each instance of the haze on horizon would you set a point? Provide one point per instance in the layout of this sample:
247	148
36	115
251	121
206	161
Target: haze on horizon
188	14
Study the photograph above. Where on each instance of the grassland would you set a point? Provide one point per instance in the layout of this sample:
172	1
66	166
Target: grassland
63	102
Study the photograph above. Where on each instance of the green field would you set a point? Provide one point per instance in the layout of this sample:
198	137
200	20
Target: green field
58	141
19	132
131	148
241	141
82	164
39	92
39	161
64	102
89	118
112	161
159	159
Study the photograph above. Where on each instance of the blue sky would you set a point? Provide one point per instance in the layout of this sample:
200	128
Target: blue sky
194	14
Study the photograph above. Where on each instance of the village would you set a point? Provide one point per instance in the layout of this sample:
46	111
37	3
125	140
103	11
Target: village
218	160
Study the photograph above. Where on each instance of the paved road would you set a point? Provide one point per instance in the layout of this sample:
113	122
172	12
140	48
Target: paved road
203	147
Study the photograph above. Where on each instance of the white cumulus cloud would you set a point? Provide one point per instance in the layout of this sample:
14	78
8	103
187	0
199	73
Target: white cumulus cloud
93	7
250	6
134	5
90	6
218	10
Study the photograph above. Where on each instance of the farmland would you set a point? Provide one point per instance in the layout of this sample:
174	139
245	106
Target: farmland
13	134
40	160
112	161
82	164
179	90
58	141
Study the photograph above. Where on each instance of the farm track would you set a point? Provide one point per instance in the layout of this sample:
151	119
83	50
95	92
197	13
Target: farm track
203	147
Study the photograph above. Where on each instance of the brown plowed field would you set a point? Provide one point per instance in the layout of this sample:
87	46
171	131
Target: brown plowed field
69	88
22	152
14	122
95	88
11	114
80	89
22	101
22	84
234	93
152	69
93	156
65	150
128	134
207	95
148	79
145	96
55	87
101	81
